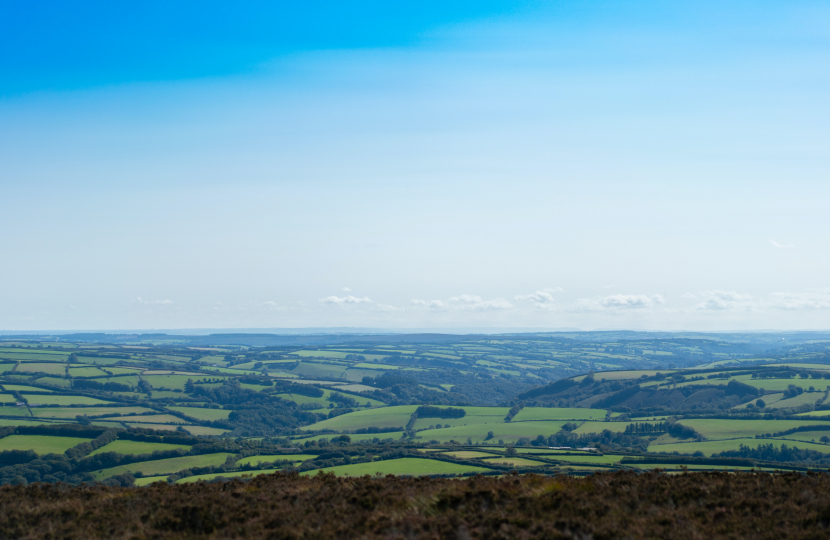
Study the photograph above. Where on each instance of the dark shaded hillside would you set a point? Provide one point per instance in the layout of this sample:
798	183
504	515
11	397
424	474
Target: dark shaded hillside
617	505
630	395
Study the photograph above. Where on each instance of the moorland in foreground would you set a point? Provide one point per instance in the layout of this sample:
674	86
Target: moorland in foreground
286	505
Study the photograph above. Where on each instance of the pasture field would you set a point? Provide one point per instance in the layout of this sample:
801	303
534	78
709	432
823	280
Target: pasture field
508	432
402	466
255	460
159	427
808	436
357	437
314	370
205	431
605	459
123	371
552	451
713	447
424	423
153	419
147	480
23	421
623	375
381	367
617	427
716	428
779	385
381	418
99	360
40	444
168	381
769	399
86	372
25	388
468	454
164	466
213	476
807	398
138	447
551	413
64	400
72	412
817	414
200	413
13	410
513	461
52	369
129	380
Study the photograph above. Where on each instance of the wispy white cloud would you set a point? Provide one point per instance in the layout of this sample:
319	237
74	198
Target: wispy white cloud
346	289
432	304
722	300
616	302
814	299
472	302
542	299
781	246
387	307
344	300
140	300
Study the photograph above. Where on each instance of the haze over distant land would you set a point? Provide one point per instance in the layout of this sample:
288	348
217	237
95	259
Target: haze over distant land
480	165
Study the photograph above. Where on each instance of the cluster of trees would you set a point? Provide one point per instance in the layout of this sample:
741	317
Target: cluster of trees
88	384
678	431
426	411
769	452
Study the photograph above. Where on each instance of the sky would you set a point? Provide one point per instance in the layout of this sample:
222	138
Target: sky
559	164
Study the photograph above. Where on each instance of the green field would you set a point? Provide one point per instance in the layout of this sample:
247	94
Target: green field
52	369
425	423
138	447
599	427
168	381
468	454
86	372
313	369
381	418
815	413
213	476
513	461
606	459
24	388
72	412
64	400
713	447
550	413
254	460
164	466
402	466
205	431
394	435
508	432
153	419
730	429
147	480
41	444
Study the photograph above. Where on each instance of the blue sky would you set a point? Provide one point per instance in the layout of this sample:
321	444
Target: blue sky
645	165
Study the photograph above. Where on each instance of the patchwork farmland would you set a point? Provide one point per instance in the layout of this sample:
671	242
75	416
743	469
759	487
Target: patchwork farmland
159	409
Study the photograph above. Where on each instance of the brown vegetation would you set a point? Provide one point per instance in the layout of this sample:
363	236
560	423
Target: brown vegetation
614	505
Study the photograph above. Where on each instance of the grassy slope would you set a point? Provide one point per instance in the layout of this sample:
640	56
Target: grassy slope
164	466
41	444
137	447
407	466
